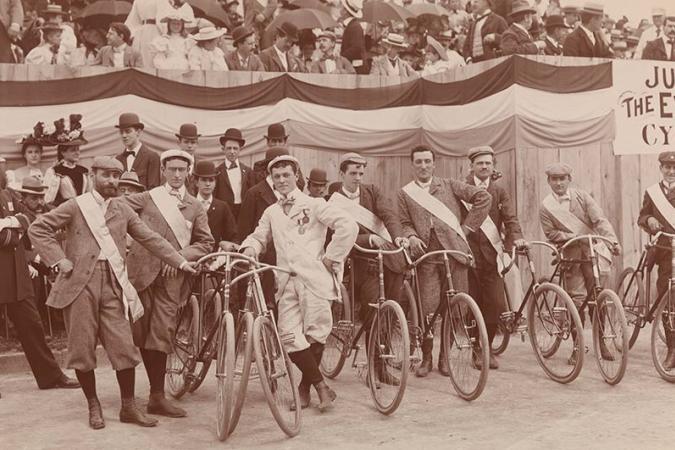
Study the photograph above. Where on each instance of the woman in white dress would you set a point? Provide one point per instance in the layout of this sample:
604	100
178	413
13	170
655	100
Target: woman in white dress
206	55
31	150
171	49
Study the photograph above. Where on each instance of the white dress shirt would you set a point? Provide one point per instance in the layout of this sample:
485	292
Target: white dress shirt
353	196
282	57
424	186
103	205
589	33
235	180
206	202
181	192
565	200
118	55
132	158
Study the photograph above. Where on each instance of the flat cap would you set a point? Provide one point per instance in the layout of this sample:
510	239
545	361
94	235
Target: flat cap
352	157
107	163
475	152
176	153
558	169
667	157
280	158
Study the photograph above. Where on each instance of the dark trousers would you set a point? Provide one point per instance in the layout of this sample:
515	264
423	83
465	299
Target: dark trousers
28	325
486	287
366	284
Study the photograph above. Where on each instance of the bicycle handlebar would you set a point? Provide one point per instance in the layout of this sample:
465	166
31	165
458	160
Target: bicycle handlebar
235	255
261	267
378	251
441	252
589	237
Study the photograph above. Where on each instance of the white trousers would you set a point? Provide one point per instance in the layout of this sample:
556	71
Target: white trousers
304	315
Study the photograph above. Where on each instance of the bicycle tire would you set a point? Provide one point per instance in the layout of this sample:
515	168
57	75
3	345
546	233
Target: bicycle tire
339	341
267	352
225	375
181	363
659	347
609	313
501	340
413	313
634	305
550	318
386	327
210	317
243	357
461	321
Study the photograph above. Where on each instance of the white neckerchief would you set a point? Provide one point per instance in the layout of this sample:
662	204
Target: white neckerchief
426	185
181	192
68	164
481	183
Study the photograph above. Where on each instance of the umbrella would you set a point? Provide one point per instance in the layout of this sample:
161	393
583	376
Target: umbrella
303	19
310	4
375	10
102	13
421	9
210	10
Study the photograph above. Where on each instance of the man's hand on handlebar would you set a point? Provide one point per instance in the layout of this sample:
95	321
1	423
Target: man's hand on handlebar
402	242
654	225
228	246
250	252
616	249
417	246
376	241
521	244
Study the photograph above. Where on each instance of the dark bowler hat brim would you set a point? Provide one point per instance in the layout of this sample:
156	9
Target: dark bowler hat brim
129	120
205	169
232	134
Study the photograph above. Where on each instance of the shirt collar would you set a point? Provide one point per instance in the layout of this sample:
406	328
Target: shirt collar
351	195
294	194
480	182
67	164
521	27
486	13
560	198
347	20
228	163
281	54
99	198
667	185
120	48
202	199
424	185
180	190
136	148
588	32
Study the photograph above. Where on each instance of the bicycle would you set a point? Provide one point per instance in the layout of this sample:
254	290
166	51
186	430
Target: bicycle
463	331
610	331
550	321
388	344
634	289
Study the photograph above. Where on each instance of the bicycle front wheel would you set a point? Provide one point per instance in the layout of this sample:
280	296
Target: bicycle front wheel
211	308
388	357
556	333
632	295
225	375
180	364
276	376
664	325
242	364
466	346
610	337
339	340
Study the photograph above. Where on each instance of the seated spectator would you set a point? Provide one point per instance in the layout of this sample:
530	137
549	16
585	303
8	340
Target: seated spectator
517	38
118	52
390	64
92	40
413	57
662	48
436	57
447	39
243	56
55	14
31	151
485	33
278	57
556	32
50	51
330	61
587	40
206	55
170	50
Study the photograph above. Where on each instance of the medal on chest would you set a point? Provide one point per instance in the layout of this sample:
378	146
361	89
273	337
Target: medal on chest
302	220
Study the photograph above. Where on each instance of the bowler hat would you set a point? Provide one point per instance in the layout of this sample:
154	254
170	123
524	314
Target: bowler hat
31	185
475	152
558	169
288	30
276	131
188	131
232	134
318	176
555	21
129	120
131	179
240	33
521	6
107	163
206	169
667	157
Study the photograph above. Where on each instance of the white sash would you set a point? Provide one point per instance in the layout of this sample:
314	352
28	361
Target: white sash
96	221
362	215
575	225
169	210
662	204
435	207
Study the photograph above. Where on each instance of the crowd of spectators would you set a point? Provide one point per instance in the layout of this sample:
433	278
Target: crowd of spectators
171	34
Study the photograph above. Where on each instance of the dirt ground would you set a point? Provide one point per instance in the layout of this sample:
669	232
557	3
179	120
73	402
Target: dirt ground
520	408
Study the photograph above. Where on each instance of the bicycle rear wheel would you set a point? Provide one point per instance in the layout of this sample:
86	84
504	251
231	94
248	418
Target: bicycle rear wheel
664	324
337	345
211	309
466	342
632	294
180	364
225	375
556	333
388	357
610	337
242	364
501	340
276	376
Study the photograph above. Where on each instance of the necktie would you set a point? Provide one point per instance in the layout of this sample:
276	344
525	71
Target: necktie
176	193
286	204
658	31
127	152
232	166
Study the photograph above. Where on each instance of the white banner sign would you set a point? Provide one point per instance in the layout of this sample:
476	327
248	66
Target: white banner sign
644	93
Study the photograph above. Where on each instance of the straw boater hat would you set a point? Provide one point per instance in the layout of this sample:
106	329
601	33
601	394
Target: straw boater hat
280	158
327	34
208	34
596	9
438	47
54	10
176	153
394	40
32	186
353	7
131	179
521	6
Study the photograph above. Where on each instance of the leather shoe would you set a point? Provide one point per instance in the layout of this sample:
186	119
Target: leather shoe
605	353
385	377
443	366
494	364
424	368
129	413
158	404
95	414
305	396
326	396
64	382
477	360
572	360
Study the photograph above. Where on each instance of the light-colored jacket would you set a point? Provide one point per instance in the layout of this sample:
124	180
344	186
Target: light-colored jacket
131	58
382	66
201	59
300	246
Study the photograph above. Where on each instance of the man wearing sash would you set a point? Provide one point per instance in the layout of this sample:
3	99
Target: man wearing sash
297	225
658	214
489	250
569	212
180	219
430	209
93	288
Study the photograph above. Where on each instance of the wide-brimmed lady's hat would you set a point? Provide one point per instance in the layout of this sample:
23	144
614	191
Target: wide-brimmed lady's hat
208	33
438	48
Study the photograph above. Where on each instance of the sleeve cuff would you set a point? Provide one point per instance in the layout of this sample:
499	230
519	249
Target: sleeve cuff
15	27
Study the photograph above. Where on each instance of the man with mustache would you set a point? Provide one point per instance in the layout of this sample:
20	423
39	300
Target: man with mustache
663	47
330	61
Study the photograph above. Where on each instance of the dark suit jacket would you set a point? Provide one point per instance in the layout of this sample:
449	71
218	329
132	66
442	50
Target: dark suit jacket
515	41
131	58
255	202
649	210
254	63
353	45
552	49
494	23
146	166
272	63
503	214
655	50
16	282
223	190
577	43
221	222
